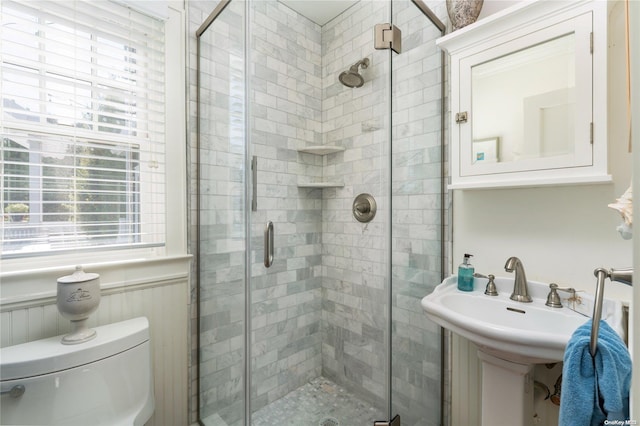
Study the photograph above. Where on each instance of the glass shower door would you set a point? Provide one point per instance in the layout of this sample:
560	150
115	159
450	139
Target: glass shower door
222	216
417	229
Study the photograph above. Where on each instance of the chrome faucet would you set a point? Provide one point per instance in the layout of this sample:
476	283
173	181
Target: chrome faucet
520	292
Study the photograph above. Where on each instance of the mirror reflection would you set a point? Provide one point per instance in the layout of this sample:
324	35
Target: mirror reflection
523	103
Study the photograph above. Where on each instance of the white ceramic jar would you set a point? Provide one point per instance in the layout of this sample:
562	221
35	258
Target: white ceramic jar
78	297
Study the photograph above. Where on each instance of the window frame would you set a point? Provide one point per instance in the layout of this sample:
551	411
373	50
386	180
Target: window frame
175	187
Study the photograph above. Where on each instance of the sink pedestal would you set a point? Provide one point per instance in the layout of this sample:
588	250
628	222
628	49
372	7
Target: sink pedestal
507	392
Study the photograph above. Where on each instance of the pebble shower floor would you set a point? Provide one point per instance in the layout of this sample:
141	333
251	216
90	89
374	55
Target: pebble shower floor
318	403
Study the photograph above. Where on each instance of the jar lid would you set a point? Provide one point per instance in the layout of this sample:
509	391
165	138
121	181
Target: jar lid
79	276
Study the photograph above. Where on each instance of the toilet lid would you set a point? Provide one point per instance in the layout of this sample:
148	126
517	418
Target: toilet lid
50	355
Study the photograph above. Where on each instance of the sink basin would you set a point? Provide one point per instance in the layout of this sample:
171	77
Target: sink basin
525	333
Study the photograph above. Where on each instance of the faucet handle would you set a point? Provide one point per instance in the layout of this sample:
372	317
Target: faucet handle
553	299
490	290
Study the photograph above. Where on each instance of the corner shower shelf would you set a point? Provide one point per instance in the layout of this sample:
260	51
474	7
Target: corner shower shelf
321	149
321	185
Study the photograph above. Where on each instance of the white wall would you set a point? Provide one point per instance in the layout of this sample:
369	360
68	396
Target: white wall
560	233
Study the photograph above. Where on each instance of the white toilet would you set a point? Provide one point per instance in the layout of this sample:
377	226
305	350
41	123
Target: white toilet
105	381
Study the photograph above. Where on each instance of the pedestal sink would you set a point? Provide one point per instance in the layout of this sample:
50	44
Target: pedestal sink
511	336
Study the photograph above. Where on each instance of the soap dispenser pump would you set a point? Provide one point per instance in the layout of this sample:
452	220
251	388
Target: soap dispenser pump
465	274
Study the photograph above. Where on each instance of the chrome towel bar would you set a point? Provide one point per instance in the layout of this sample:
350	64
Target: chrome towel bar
624	276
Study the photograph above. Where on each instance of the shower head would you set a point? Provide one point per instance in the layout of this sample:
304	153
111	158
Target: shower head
351	77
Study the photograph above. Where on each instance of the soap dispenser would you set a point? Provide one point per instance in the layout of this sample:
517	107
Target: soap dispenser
465	274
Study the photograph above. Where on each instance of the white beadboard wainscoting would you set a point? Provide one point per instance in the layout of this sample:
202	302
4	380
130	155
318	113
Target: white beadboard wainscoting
158	290
466	382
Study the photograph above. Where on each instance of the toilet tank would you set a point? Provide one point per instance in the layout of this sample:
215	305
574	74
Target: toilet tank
105	381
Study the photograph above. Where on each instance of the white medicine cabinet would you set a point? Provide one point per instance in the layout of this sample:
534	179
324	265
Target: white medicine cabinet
529	96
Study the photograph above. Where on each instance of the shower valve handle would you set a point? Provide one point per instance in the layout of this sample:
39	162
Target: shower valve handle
363	207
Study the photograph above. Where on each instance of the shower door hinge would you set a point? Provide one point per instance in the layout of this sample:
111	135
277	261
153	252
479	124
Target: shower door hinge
388	36
461	117
393	422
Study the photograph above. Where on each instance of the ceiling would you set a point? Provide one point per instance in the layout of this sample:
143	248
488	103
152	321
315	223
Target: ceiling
319	11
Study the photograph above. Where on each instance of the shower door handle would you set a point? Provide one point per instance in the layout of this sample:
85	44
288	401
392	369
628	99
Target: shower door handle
268	244
254	183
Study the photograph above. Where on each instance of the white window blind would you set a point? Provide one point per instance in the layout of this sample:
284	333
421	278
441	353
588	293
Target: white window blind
82	123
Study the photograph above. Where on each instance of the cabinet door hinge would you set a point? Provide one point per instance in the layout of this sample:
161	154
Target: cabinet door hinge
591	42
461	117
591	132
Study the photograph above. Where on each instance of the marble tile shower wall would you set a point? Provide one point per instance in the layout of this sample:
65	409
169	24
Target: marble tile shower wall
355	255
354	261
286	114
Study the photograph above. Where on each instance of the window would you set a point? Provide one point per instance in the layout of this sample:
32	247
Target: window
82	123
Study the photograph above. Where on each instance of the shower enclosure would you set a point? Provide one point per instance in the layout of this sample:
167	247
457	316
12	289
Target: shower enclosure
307	316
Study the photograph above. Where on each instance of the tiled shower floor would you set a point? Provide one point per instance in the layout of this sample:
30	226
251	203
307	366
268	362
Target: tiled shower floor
314	402
318	403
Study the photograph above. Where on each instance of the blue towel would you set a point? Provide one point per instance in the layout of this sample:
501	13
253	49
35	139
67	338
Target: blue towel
595	390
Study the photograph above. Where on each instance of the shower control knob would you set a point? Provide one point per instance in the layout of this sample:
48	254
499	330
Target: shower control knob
364	208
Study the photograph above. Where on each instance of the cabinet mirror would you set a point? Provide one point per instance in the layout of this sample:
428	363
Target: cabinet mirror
525	111
523	104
